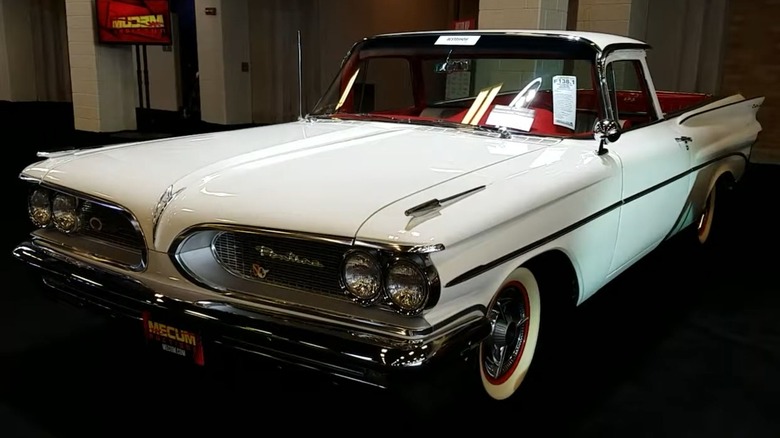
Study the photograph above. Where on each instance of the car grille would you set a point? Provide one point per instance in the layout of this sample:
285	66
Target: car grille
296	263
106	231
111	225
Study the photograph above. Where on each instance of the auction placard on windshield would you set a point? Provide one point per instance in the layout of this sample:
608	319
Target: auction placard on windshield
564	89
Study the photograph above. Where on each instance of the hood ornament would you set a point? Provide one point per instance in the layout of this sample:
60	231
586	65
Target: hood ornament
165	199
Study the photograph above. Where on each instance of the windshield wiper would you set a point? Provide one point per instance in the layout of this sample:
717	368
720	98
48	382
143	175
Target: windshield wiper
502	132
360	116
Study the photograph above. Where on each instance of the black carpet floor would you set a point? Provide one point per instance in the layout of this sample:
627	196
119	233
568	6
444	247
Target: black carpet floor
684	344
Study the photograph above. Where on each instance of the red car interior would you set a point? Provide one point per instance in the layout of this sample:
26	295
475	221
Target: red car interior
633	107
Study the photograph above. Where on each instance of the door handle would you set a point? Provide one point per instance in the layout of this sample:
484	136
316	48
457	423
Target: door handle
684	139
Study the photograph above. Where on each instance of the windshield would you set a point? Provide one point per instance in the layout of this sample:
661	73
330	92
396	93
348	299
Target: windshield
536	85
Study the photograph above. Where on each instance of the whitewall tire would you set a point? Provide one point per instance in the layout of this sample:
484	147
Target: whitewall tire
506	354
707	217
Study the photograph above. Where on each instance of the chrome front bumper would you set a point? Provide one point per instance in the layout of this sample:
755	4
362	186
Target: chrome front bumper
364	357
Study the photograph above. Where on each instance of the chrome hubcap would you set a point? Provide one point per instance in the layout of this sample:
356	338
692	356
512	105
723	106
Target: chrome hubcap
509	322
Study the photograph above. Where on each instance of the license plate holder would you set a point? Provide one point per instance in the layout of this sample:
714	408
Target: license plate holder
174	338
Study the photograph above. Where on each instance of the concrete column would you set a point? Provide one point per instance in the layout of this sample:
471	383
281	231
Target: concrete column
223	61
523	14
17	57
103	78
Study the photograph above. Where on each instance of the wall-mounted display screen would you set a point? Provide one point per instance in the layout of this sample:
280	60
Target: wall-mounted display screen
134	21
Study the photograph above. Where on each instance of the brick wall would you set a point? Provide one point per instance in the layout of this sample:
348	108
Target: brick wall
523	14
610	16
752	65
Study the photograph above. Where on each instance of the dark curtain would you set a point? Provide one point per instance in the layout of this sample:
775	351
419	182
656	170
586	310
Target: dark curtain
50	45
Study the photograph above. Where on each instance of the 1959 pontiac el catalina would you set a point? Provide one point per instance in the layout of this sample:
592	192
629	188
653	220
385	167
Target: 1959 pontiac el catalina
450	193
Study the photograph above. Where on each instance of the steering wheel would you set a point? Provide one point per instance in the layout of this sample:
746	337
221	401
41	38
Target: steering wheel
527	94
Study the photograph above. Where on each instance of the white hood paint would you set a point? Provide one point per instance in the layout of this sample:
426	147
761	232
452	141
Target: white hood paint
325	177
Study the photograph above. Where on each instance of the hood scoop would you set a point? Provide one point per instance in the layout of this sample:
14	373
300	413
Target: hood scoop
430	209
437	204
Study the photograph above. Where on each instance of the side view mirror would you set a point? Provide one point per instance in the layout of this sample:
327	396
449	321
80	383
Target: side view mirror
606	131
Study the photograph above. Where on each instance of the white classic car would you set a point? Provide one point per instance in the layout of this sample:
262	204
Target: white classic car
444	187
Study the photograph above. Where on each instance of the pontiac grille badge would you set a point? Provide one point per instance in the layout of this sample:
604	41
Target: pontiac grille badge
289	257
258	271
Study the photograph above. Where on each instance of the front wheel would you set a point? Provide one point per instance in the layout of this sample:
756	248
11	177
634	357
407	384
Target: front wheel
506	354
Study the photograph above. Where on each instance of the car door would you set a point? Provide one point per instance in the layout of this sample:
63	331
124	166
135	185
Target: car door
654	163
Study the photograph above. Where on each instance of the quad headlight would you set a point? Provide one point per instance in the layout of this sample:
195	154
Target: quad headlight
64	213
406	286
398	282
47	208
39	208
362	276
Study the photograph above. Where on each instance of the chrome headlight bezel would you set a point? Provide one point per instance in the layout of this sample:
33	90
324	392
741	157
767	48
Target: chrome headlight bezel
386	260
425	284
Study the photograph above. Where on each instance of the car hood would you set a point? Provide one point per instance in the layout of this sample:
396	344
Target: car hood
324	177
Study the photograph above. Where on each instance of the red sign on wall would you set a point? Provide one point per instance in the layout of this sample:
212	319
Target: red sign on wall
134	21
466	24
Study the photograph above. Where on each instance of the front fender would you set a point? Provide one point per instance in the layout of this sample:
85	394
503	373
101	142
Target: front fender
564	197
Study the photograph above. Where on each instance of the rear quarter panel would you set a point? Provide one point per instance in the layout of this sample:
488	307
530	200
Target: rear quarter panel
723	134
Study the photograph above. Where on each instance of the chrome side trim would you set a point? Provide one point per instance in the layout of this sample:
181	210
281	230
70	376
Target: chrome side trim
400	248
56	154
479	270
693	114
